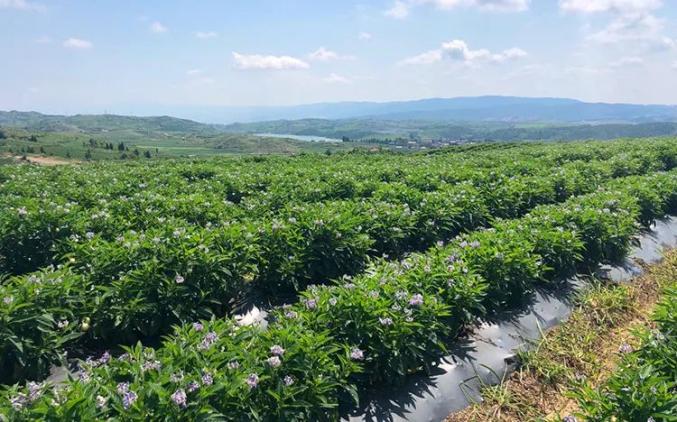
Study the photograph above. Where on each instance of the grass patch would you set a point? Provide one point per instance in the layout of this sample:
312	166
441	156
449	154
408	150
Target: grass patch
578	355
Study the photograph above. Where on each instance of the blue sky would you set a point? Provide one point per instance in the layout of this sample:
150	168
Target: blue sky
128	55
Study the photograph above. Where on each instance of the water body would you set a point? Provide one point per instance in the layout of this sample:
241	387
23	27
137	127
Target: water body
304	138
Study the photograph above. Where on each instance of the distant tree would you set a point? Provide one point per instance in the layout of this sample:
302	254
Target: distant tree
88	155
121	146
327	152
123	156
68	154
147	154
33	138
2	135
157	151
42	150
30	150
345	139
136	152
92	142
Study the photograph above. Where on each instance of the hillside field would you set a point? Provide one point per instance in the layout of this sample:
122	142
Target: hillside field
370	265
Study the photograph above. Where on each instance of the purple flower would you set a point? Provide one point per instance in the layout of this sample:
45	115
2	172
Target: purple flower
8	300
416	300
128	399
373	294
198	326
105	358
463	244
333	301
84	377
179	279
34	391
356	354
274	361
625	348
123	387
253	380
151	365
22	211
208	340
233	365
288	380
311	303
385	321
475	244
569	419
123	357
18	401
179	397
277	350
193	386
207	379
291	314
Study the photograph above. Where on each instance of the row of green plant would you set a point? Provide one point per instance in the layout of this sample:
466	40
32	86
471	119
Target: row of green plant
303	243
141	284
44	208
376	328
644	387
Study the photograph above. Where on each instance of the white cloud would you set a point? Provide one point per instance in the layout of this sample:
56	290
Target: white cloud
365	36
429	57
194	72
21	5
627	61
458	50
401	8
158	28
206	35
640	29
324	55
334	78
262	62
585	71
77	43
618	6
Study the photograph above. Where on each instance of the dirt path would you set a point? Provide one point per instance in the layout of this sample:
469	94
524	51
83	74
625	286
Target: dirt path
586	346
42	160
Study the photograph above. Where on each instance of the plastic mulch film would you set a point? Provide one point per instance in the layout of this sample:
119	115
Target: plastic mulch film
488	355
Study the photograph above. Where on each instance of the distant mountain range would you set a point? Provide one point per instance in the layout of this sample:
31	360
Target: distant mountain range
467	118
460	110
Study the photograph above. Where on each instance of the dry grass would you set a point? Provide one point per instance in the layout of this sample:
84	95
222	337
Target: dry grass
585	347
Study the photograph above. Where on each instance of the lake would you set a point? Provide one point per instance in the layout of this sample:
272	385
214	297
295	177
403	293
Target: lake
305	138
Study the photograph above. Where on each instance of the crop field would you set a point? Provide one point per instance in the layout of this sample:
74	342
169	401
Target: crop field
370	265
